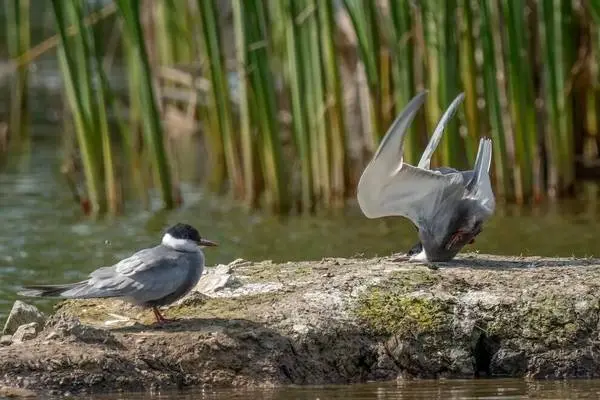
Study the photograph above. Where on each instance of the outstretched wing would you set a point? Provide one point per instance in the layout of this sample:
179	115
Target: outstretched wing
390	187
389	153
410	192
425	161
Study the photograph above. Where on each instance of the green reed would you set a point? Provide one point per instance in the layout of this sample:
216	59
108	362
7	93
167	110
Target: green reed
402	49
261	98
489	71
442	75
555	95
518	63
247	139
74	57
468	75
18	37
219	92
364	19
297	63
333	111
522	96
129	11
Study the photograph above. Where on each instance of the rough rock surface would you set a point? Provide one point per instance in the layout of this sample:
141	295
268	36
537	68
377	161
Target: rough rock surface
6	340
21	314
330	321
26	332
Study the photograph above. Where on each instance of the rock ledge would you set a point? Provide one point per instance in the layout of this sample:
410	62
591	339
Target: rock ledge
329	321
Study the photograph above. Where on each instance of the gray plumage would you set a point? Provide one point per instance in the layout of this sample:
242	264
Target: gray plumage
447	206
151	277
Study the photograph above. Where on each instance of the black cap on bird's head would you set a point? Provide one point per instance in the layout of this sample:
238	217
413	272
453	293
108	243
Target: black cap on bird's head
187	232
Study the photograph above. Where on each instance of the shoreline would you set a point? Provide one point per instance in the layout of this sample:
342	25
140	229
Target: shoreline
333	321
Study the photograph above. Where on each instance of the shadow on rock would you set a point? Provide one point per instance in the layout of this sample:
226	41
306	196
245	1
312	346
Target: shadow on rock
505	264
187	325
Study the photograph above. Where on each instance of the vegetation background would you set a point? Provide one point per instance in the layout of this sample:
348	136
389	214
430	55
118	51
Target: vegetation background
281	103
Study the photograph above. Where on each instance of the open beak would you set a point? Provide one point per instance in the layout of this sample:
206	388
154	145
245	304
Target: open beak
206	243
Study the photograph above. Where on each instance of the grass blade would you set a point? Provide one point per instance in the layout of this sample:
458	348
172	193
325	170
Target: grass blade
130	12
220	92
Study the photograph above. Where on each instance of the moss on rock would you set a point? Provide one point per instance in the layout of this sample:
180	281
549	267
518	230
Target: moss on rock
394	313
551	319
413	279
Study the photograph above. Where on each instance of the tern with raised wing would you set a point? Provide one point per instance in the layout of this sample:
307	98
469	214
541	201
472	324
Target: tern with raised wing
447	206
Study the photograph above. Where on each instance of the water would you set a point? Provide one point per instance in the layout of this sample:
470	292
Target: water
485	389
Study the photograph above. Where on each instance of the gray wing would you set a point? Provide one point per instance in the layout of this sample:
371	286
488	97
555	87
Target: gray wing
410	192
425	161
389	153
388	186
147	275
479	186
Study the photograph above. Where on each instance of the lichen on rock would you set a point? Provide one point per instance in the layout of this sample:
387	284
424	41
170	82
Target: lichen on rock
402	306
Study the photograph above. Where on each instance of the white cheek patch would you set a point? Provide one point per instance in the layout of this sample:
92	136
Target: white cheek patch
179	244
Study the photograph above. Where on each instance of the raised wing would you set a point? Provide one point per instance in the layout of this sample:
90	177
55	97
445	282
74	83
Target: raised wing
425	161
479	186
389	153
390	187
386	160
413	193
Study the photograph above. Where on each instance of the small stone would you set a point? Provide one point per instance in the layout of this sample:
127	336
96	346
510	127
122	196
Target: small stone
194	298
26	332
6	340
221	269
22	314
211	283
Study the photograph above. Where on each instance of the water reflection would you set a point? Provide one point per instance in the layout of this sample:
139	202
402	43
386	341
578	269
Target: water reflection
484	389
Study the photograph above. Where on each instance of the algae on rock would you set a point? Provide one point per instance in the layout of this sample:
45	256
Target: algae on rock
395	313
